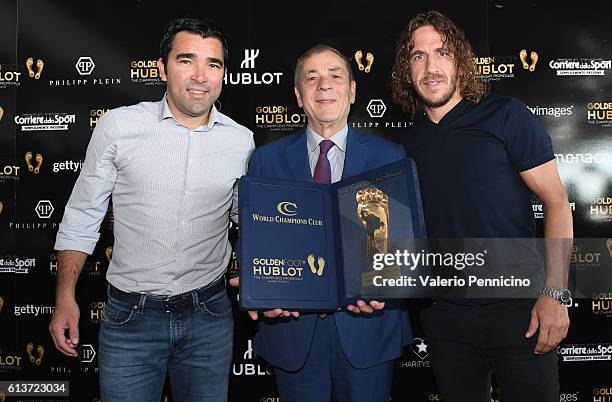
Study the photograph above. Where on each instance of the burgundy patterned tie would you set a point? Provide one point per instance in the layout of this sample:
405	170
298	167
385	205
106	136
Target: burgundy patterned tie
322	172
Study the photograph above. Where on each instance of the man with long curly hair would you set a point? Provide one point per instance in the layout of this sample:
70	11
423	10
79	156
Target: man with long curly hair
480	159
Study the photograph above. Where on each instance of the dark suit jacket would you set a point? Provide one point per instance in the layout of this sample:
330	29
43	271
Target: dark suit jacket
367	339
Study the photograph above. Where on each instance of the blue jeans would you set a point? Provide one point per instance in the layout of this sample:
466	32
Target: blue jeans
139	345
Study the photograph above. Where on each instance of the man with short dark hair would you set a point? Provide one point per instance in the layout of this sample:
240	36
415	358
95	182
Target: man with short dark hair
480	159
172	169
347	354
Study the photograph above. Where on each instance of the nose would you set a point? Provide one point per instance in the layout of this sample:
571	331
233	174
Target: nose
199	73
324	83
431	66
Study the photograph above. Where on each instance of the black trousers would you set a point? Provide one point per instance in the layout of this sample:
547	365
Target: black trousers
470	343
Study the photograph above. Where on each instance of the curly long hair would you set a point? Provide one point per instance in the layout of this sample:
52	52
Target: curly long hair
471	86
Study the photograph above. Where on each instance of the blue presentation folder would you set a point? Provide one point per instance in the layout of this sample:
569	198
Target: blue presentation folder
304	246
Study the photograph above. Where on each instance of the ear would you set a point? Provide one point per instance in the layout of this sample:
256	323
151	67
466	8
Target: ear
298	97
353	91
162	70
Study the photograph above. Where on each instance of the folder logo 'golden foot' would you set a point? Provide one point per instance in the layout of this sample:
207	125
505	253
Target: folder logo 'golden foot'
109	253
373	211
533	60
1	113
310	260
2	396
1	303
358	59
29	64
370	61
1	206
320	264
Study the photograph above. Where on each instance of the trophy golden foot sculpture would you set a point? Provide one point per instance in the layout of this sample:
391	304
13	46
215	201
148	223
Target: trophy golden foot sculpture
373	211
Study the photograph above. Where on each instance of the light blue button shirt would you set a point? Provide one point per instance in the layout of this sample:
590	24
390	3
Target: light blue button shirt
172	189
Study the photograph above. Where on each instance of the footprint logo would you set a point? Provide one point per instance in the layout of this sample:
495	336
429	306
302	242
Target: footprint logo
533	59
369	61
39	67
320	264
40	351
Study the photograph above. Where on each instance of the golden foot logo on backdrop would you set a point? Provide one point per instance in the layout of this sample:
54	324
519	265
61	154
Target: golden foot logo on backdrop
39	67
373	210
533	58
1	303
320	263
39	161
1	113
40	351
2	396
1	206
369	61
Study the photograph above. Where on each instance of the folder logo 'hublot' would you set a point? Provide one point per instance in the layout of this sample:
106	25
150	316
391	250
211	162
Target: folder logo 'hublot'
277	267
287	208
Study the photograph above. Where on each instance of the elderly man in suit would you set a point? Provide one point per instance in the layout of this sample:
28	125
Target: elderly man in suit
349	354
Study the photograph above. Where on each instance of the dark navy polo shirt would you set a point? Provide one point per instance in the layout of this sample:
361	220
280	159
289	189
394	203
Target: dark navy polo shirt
468	166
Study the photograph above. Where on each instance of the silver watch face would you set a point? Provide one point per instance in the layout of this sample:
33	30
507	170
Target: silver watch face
566	295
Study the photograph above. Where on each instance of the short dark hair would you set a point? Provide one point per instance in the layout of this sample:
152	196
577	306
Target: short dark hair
316	50
206	28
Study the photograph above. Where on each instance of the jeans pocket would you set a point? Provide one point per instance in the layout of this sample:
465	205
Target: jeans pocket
117	312
218	305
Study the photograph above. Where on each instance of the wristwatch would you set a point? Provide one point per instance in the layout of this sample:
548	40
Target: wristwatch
563	295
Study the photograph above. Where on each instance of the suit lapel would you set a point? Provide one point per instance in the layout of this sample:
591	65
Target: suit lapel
297	157
356	154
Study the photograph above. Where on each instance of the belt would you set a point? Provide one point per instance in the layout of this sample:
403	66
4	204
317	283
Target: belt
176	304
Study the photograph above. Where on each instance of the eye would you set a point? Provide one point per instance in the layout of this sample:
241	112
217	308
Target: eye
215	66
445	53
418	57
185	61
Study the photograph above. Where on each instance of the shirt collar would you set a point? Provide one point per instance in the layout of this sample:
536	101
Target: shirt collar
339	139
215	115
